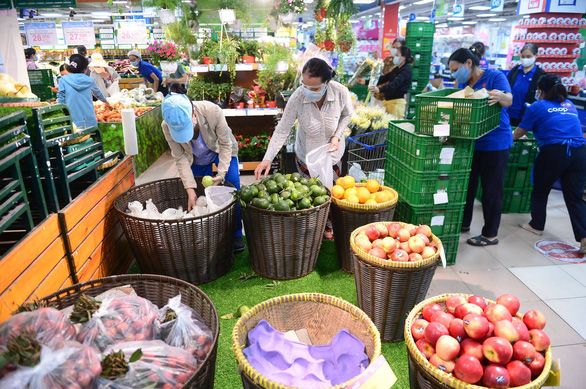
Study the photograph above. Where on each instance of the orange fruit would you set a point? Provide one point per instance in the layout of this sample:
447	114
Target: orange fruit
371	202
339	181
363	194
372	186
353	199
373	196
337	191
350	192
348	182
382	196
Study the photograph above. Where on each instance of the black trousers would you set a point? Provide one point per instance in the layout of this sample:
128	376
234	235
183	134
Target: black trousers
553	162
489	167
515	122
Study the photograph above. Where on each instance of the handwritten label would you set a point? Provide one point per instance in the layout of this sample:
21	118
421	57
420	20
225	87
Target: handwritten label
440	197
132	31
447	156
79	33
441	130
437	220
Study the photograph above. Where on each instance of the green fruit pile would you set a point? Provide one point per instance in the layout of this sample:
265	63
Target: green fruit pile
289	192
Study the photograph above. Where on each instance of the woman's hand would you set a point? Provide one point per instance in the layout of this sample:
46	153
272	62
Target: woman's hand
264	165
334	144
218	180
361	81
374	89
500	97
191	198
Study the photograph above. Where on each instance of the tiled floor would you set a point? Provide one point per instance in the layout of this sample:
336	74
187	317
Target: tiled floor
558	289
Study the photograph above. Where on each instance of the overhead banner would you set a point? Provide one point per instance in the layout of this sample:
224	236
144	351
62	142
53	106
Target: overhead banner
390	28
79	33
41	34
566	6
458	10
497	5
531	6
131	32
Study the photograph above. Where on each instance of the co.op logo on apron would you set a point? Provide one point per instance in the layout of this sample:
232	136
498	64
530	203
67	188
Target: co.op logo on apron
561	251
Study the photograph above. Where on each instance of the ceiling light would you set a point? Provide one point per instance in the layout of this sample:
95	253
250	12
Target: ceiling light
51	15
402	7
441	25
479	8
525	16
119	2
497	20
469	22
455	18
423	2
354	21
101	13
485	15
421	18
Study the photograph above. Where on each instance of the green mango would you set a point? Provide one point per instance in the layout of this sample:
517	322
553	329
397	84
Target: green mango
303	189
285	194
315	190
246	195
295	195
288	176
295	177
282	205
261	187
254	190
319	200
303	181
290	202
272	187
305	203
262	193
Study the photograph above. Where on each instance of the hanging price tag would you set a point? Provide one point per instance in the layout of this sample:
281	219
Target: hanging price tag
41	34
79	33
132	31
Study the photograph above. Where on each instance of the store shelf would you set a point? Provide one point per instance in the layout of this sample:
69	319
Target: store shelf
535	26
567	56
240	67
557	41
556	71
251	112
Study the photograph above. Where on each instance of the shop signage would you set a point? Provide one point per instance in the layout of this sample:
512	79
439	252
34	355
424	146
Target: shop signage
458	10
390	28
412	17
132	31
41	34
432	16
533	6
497	5
79	33
569	6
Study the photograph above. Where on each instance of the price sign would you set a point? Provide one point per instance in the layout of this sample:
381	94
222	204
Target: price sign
132	31
79	33
41	34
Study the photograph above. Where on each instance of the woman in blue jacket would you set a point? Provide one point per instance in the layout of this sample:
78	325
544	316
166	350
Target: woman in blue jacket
554	121
75	91
491	152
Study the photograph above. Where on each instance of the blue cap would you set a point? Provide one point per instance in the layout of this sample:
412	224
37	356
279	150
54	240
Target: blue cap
177	113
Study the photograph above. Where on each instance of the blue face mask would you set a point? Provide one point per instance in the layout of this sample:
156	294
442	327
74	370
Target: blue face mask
536	95
314	96
462	75
134	63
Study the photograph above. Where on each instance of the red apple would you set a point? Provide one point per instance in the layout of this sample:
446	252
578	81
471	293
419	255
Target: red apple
521	329
453	301
505	329
443	365
378	252
405	247
496	376
403	235
457	330
411	228
471	347
428	252
363	243
416	244
430	309
476	326
414	257
536	366
447	348
477	300
519	373
466	308
389	244
497	312
426	349
497	350
418	328
539	340
523	351
372	232
425	238
510	302
468	369
434	331
424	230
442	317
489	334
399	256
382	230
393	229
534	320
378	243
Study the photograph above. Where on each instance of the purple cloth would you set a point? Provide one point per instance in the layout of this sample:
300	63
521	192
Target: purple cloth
300	365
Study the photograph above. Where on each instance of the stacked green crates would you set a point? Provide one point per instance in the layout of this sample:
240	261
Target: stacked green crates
420	40
424	170
41	81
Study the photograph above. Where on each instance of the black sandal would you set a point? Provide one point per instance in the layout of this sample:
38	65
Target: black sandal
481	241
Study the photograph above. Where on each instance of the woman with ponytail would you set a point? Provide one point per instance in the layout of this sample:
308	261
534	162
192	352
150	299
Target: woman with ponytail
491	152
554	121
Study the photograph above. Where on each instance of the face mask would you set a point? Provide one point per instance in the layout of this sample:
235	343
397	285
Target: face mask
314	96
536	95
134	63
461	75
528	62
397	60
36	57
393	52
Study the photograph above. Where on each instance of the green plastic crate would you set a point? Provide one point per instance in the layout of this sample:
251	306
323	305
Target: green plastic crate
443	220
360	90
420	29
422	59
45	4
419	45
423	153
43	92
40	77
468	118
411	113
420	188
518	177
421	73
514	200
450	244
524	151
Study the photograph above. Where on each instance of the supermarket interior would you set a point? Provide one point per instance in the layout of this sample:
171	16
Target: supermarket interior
292	194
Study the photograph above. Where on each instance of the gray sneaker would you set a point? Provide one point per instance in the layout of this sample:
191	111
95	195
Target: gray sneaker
527	226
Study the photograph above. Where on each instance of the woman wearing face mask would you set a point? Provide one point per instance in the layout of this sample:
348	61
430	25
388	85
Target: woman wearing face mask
388	66
31	56
491	152
554	121
150	73
106	78
395	85
523	80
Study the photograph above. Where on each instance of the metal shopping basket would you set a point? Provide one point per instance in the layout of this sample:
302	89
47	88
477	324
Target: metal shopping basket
366	152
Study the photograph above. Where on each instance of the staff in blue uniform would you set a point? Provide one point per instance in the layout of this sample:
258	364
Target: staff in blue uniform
554	121
150	73
491	152
523	80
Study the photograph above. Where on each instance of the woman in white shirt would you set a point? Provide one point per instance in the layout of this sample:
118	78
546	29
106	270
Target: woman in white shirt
106	77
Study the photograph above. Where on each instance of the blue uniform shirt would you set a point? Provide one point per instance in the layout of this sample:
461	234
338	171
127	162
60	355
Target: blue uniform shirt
520	88
553	122
146	69
500	138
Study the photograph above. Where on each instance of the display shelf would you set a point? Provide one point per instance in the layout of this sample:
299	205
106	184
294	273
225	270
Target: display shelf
240	67
557	71
534	26
251	112
567	56
557	41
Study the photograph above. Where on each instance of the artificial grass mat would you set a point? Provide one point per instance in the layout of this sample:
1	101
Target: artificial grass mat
229	292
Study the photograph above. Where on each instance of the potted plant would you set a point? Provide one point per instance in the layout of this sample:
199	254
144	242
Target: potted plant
239	97
252	148
209	50
329	43
338	9
258	96
319	12
287	10
249	50
273	83
230	10
345	37
164	55
228	54
319	38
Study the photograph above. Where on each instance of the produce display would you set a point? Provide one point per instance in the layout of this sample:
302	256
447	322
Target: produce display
48	324
346	190
113	113
396	241
123	67
11	88
139	97
150	210
483	343
366	119
289	192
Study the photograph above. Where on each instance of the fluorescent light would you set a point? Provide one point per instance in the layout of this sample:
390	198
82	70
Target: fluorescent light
52	15
100	17
441	25
119	2
525	16
479	8
485	15
354	21
101	13
423	2
402	7
455	18
469	22
496	20
421	18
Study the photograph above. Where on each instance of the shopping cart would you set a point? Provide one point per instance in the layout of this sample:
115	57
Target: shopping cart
366	152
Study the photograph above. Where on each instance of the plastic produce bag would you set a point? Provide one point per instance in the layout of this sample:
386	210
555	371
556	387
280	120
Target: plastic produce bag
66	364
180	326
49	324
319	163
356	172
160	366
219	196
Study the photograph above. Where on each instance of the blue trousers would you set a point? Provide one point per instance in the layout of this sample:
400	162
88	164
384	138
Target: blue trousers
232	176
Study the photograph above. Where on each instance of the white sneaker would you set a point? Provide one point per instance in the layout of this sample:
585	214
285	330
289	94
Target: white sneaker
527	226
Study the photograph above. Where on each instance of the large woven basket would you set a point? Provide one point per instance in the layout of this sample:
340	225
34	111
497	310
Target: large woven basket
195	250
388	290
346	217
157	289
284	245
322	315
424	375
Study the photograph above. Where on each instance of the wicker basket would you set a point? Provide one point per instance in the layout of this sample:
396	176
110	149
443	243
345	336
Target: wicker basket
388	290
346	217
323	316
195	250
284	245
423	374
157	289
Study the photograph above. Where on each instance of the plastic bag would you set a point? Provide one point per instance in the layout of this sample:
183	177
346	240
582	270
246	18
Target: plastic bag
356	172
66	364
161	366
219	196
114	88
319	163
187	330
126	318
49	324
